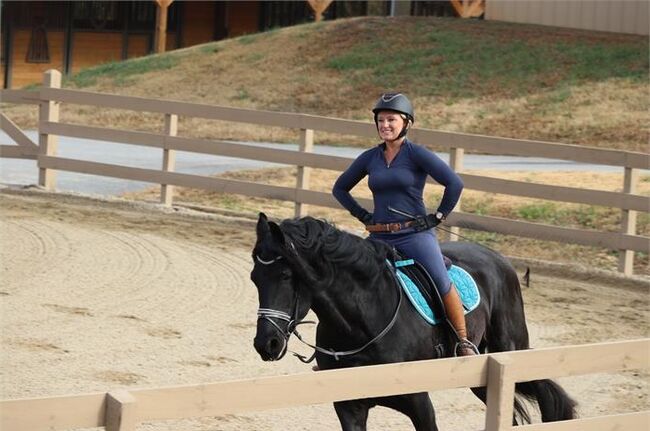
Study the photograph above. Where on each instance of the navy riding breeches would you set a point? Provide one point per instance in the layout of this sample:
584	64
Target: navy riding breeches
424	248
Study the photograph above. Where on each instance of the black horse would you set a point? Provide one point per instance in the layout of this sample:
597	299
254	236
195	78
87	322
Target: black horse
345	279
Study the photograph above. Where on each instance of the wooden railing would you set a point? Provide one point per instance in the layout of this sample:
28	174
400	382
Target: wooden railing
122	410
50	96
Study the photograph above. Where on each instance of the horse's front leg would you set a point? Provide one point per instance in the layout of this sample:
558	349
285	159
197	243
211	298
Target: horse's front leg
417	407
352	414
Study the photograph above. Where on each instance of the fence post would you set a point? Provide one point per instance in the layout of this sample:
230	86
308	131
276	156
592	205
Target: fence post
500	394
48	111
628	222
306	145
456	158
120	411
169	159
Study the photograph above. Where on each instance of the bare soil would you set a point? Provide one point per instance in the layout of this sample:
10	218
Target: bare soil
101	294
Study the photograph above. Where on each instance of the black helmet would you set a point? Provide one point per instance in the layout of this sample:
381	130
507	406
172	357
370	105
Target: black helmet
394	102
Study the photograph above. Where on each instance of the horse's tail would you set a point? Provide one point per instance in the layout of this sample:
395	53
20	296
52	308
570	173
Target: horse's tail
554	403
509	332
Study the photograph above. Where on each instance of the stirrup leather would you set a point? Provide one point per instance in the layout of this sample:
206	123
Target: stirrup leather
465	343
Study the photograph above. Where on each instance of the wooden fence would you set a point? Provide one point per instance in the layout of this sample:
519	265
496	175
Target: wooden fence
51	96
123	409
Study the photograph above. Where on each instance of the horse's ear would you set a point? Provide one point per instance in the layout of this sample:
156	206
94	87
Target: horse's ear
276	233
262	226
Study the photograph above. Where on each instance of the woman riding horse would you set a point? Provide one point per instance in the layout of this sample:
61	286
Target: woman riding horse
397	170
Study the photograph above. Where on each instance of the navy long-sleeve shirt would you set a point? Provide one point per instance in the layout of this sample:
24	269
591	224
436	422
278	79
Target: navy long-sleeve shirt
399	184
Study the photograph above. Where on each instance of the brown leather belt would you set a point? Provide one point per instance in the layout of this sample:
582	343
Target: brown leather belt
389	227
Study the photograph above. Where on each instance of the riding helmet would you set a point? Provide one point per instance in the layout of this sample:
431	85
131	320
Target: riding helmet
394	102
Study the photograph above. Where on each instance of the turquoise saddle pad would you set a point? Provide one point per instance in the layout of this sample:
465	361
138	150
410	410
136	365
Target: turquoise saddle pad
465	284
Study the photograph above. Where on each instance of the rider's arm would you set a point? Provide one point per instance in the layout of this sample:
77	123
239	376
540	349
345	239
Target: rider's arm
346	182
444	175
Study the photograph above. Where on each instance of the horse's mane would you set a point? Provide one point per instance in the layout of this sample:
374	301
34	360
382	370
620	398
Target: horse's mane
328	249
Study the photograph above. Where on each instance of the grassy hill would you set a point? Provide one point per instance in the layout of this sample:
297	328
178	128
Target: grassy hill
523	81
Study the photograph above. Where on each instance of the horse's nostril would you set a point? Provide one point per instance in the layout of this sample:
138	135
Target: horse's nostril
273	345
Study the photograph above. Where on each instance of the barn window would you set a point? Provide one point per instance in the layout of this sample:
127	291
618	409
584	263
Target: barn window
38	51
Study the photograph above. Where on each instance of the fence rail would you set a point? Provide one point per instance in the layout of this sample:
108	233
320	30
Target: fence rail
490	144
238	396
51	96
289	157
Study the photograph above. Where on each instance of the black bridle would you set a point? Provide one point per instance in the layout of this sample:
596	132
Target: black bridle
269	314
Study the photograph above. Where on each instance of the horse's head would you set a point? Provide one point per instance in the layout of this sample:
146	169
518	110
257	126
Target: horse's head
283	300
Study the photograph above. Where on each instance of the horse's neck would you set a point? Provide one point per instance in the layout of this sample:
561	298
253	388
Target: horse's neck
354	306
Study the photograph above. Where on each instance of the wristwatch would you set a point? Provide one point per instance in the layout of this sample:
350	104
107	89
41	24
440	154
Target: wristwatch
439	216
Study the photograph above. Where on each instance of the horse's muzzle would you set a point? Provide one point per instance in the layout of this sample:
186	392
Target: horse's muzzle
269	344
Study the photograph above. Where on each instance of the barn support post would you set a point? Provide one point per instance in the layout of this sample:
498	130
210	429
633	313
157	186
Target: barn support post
469	8
456	159
121	414
169	159
500	394
48	112
161	25
628	222
319	6
306	145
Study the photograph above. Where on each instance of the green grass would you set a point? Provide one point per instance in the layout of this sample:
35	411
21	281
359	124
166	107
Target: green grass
440	60
247	39
242	94
546	212
120	72
210	48
478	207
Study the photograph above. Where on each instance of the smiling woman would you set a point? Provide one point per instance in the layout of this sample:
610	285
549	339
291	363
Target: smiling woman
397	171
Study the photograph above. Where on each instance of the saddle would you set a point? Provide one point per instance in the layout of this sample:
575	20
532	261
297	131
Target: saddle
420	288
423	281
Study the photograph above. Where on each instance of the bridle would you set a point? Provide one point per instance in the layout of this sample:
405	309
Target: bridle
269	314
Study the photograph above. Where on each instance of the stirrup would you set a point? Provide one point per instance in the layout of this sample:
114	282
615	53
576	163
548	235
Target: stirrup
465	343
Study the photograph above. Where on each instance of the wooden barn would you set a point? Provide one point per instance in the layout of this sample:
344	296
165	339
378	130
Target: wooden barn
72	35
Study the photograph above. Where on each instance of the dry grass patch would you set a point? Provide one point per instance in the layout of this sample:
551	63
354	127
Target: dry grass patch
580	87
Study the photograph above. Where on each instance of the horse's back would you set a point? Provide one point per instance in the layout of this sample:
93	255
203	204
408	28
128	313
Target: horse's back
494	274
476	258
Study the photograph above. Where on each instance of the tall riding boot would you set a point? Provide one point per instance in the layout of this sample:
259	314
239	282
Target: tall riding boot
456	316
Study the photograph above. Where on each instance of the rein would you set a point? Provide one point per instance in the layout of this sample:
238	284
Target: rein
268	314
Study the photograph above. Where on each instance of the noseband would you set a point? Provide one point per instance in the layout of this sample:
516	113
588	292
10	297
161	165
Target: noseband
269	314
292	322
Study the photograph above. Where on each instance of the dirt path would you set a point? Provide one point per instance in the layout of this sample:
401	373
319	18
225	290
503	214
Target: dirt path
97	295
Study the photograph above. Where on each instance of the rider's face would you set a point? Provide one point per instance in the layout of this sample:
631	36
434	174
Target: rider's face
389	125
